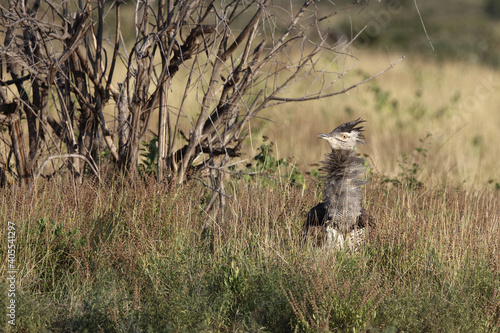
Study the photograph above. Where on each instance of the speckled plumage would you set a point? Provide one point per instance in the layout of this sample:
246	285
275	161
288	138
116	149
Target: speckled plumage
341	213
343	191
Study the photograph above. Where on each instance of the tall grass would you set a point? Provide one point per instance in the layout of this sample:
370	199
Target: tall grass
122	257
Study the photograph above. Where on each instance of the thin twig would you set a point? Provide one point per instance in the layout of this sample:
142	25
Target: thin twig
212	188
94	169
343	91
423	25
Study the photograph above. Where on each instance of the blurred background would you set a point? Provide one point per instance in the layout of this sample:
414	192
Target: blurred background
436	111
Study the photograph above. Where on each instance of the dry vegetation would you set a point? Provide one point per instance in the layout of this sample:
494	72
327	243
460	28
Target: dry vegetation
130	256
122	257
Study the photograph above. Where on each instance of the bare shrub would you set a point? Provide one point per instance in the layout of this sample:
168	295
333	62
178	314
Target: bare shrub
65	63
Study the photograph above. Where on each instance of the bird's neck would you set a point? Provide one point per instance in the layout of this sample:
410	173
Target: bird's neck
342	164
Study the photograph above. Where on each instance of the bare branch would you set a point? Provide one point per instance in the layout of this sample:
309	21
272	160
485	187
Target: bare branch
339	92
83	157
201	70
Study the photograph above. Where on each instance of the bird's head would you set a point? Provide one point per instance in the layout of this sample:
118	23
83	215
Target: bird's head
346	136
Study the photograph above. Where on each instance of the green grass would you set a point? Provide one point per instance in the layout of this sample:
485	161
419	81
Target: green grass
123	257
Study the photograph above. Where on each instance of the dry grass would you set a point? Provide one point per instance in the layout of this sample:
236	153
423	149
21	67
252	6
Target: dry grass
454	102
132	257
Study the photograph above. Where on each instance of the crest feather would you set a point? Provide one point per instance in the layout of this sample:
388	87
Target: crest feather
351	126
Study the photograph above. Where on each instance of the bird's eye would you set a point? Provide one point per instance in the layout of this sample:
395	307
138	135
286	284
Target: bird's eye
344	136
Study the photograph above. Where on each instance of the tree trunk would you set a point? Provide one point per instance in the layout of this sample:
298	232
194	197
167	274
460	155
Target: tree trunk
163	135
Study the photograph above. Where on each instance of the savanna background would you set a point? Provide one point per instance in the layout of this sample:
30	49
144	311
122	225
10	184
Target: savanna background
121	255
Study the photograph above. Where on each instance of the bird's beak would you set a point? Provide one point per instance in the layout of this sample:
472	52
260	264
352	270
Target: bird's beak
322	135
